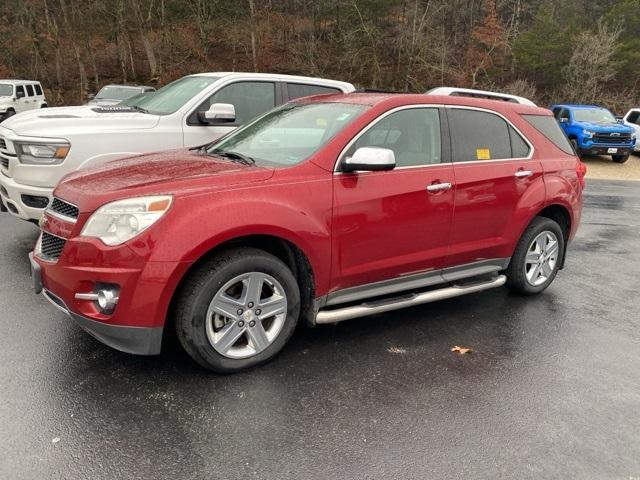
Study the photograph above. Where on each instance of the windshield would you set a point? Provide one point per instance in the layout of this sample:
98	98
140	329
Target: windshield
117	93
595	115
289	134
172	97
6	90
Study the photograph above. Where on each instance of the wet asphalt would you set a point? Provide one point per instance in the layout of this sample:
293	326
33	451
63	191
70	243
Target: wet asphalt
551	390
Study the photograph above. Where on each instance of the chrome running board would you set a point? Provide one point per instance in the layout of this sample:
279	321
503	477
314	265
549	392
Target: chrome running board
381	306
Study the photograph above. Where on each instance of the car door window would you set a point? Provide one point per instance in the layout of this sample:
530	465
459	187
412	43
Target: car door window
29	90
478	135
564	115
297	90
19	89
38	89
412	134
250	99
634	117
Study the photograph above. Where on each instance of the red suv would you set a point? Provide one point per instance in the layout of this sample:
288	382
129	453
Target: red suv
322	210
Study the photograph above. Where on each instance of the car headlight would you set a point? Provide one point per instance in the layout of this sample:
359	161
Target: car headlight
42	153
588	133
120	221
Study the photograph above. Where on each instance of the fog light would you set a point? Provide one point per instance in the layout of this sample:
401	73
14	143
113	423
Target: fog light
107	300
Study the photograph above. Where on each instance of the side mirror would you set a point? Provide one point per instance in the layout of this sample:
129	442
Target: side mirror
218	113
370	159
19	94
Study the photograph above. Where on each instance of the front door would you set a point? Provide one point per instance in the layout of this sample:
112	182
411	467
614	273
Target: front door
394	223
494	170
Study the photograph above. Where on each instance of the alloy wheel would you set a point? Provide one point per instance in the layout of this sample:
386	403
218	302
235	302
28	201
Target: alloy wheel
542	258
246	315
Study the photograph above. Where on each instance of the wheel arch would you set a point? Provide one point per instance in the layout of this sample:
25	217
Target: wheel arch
562	216
284	249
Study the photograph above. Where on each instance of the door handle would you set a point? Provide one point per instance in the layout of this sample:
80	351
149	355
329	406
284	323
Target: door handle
438	187
523	173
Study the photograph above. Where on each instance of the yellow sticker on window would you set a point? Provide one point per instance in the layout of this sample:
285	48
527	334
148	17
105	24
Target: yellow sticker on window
483	154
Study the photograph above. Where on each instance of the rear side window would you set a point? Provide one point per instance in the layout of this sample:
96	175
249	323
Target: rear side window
30	90
478	135
38	89
19	89
297	90
519	148
548	127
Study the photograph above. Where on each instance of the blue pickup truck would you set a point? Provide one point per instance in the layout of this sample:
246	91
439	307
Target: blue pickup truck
594	130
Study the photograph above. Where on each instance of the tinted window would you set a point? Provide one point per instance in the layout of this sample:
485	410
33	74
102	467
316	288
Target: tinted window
38	89
250	99
519	148
548	127
564	114
413	135
19	89
633	118
297	90
478	136
29	90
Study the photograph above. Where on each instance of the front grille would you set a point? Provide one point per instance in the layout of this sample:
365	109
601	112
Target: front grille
612	138
51	246
3	144
64	208
5	162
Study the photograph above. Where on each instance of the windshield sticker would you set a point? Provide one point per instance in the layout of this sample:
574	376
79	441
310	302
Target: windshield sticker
483	154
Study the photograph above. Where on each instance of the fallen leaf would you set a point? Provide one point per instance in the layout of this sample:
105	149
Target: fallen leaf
462	350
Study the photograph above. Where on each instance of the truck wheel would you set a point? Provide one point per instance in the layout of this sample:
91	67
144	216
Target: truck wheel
237	310
7	114
620	158
537	257
574	144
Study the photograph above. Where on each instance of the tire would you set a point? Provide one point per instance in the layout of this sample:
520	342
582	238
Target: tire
574	144
219	285
620	158
521	274
44	105
7	114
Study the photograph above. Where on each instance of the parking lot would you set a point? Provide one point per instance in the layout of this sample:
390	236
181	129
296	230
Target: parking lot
551	389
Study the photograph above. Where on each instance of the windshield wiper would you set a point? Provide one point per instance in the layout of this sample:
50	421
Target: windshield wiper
236	157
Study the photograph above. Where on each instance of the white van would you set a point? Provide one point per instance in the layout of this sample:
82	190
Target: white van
38	148
20	95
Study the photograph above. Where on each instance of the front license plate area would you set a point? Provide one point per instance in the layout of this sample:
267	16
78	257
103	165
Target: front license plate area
612	150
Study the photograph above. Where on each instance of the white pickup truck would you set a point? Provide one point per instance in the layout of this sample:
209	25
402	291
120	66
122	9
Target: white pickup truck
38	148
632	119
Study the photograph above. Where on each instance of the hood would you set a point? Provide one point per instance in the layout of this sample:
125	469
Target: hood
61	122
613	127
177	172
103	102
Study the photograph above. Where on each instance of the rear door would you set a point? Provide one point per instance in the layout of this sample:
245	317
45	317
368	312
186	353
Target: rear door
391	224
494	169
32	100
250	99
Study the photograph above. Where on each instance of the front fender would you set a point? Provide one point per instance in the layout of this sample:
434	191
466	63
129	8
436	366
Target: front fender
202	223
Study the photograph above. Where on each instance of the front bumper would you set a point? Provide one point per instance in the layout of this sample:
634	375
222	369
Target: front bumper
129	339
605	149
11	194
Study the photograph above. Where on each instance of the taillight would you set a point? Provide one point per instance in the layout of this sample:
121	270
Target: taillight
581	171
